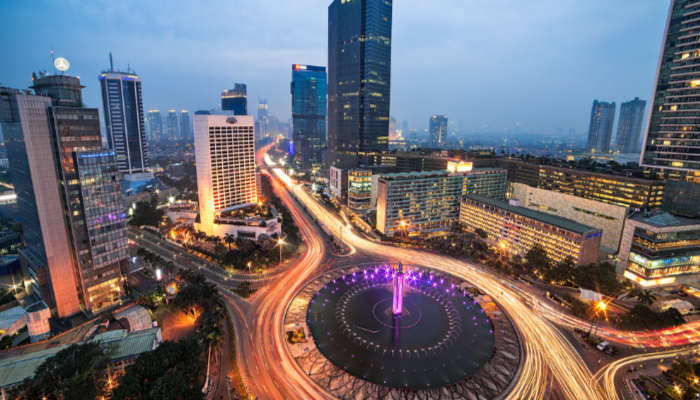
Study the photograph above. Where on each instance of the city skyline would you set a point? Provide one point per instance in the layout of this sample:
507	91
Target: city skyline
583	47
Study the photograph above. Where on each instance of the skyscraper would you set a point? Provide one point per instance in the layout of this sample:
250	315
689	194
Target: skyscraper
601	127
185	131
669	147
124	119
235	99
171	121
392	128
629	125
309	90
225	157
70	200
359	80
572	133
155	125
438	130
262	109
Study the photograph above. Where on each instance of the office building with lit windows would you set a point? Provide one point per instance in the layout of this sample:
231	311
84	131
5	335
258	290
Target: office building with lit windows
171	125
629	125
124	119
429	201
185	125
235	99
72	214
660	249
670	147
359	189
155	125
517	229
438	130
309	91
225	157
600	127
359	80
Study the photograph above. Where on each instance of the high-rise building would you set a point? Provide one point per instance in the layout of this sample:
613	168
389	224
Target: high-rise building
359	80
262	109
572	133
309	90
601	127
629	125
392	128
185	125
438	130
155	125
70	200
124	119
225	155
171	125
404	128
235	99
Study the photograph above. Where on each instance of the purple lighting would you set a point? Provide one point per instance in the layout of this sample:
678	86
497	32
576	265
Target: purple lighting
398	291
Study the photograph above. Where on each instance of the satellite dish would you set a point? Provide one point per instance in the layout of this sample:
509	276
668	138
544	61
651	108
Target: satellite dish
61	64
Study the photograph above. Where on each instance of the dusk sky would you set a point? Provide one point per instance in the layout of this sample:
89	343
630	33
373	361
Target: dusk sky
537	62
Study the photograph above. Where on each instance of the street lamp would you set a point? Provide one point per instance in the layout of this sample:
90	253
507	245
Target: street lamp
404	225
280	242
601	306
249	267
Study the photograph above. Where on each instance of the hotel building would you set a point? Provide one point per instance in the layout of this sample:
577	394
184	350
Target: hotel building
429	201
660	249
518	229
225	155
359	189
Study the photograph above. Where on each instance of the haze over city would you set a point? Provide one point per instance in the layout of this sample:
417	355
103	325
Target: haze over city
540	62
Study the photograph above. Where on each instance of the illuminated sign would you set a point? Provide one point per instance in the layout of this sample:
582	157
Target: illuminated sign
592	235
101	154
61	64
461	166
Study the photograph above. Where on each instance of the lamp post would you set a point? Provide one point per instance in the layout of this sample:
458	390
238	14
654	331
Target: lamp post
249	267
280	242
600	306
404	225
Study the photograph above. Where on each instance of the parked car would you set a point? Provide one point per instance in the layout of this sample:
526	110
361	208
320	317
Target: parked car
607	348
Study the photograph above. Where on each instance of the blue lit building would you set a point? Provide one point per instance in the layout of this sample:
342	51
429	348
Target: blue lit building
124	119
235	99
359	80
309	90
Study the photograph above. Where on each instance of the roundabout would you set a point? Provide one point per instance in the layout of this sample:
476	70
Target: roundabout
394	331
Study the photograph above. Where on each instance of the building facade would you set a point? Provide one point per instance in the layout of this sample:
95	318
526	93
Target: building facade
609	218
359	189
124	119
185	125
438	131
309	92
359	80
155	125
600	127
429	201
629	125
660	250
517	229
235	99
225	155
669	147
171	125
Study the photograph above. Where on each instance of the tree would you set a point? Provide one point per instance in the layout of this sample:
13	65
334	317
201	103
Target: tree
169	267
646	297
481	233
245	289
562	271
147	213
229	239
174	370
537	259
683	370
77	372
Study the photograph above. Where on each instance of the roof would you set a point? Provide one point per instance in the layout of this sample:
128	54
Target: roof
140	186
412	174
678	304
13	370
663	219
553	220
9	317
138	317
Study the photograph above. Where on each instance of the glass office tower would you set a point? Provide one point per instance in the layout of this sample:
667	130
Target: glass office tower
359	80
185	125
629	125
235	99
601	127
438	130
155	125
124	119
171	120
309	90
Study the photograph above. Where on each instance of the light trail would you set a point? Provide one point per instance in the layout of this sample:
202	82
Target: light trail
548	353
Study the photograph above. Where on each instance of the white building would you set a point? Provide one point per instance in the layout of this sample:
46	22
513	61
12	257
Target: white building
225	156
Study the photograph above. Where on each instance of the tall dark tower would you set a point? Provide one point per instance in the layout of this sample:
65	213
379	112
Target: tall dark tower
235	99
359	80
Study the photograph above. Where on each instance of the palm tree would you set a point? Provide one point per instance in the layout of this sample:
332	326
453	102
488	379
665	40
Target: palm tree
684	370
646	297
169	267
229	239
183	275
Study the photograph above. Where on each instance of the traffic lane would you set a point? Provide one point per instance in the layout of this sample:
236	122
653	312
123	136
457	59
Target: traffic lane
140	282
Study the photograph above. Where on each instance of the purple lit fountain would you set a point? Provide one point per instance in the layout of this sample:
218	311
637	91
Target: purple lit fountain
398	291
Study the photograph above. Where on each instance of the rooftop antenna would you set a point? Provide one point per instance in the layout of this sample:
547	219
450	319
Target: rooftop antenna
111	64
53	60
